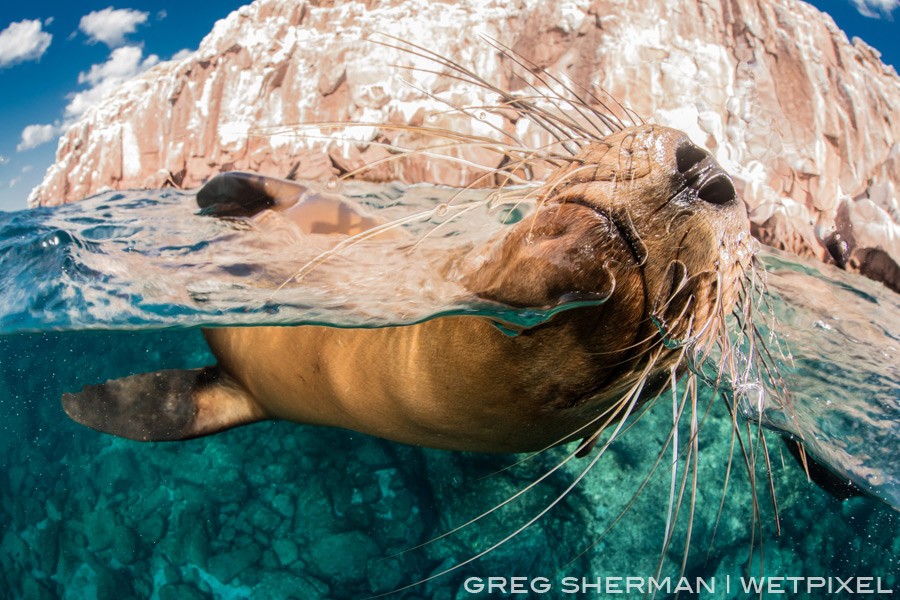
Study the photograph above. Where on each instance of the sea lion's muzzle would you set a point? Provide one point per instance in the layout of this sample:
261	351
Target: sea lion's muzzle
704	175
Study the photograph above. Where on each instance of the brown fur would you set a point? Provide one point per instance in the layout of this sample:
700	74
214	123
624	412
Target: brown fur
619	222
635	227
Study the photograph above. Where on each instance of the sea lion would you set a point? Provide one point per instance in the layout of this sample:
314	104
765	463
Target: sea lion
642	227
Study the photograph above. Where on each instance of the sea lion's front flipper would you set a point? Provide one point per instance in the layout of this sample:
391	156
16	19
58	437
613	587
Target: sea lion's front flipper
164	405
237	194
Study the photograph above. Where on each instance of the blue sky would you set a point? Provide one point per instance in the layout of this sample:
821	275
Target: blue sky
57	58
39	88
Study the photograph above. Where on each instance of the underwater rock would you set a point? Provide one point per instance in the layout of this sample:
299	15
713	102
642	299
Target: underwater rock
16	475
377	456
125	547
167	572
180	592
262	518
343	557
15	553
99	529
45	543
228	565
389	575
93	580
286	551
36	590
113	473
282	584
190	546
152	529
283	506
230	489
269	561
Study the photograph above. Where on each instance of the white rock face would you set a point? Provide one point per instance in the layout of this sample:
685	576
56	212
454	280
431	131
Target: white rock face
805	120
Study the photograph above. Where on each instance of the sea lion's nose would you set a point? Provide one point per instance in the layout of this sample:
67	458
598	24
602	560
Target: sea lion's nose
703	174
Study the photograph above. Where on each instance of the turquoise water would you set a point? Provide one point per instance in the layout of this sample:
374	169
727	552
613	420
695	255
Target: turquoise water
278	510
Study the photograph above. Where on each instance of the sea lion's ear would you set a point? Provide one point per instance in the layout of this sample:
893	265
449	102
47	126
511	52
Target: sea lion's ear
164	405
237	194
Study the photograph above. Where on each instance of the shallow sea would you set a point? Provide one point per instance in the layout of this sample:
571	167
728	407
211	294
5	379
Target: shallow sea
120	283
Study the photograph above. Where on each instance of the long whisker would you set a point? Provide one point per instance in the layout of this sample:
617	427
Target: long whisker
724	495
344	244
555	124
673	432
561	118
574	100
523	161
695	451
614	415
523	490
540	514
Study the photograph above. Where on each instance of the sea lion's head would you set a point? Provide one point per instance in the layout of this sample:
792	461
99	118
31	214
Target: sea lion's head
648	226
675	211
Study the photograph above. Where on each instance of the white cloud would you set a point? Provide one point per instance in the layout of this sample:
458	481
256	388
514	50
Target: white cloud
123	64
875	9
23	40
27	168
14	181
49	21
182	54
162	14
35	135
3	160
111	25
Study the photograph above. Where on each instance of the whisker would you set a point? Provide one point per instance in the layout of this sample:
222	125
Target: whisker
629	398
724	495
535	114
562	118
527	488
771	483
695	450
540	514
575	101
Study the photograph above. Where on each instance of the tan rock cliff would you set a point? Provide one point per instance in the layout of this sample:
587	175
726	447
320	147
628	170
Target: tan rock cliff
805	120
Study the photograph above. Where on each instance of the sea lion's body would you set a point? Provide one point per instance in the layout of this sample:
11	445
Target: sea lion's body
436	384
642	220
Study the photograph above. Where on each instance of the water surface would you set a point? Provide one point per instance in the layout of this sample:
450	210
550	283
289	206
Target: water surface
119	283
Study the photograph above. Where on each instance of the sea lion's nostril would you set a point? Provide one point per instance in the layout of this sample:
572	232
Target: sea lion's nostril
687	155
703	174
718	190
